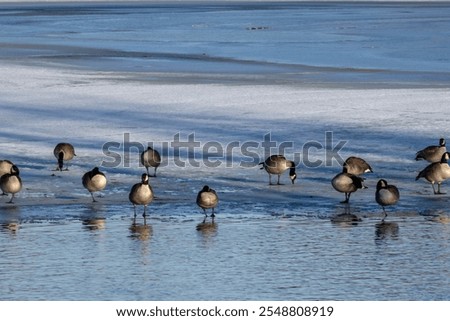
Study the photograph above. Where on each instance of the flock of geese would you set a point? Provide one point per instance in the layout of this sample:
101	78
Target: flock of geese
350	179
347	182
95	180
436	172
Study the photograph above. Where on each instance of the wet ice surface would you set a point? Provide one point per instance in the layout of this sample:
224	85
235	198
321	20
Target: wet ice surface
73	75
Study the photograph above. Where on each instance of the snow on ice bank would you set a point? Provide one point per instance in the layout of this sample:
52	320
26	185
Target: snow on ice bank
43	106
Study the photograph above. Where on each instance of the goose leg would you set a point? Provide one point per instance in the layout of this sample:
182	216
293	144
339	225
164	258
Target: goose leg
93	199
144	215
347	197
145	212
434	190
134	216
11	200
385	214
439	189
278	182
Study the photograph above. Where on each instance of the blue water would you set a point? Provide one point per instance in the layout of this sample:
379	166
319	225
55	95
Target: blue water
96	253
282	242
404	43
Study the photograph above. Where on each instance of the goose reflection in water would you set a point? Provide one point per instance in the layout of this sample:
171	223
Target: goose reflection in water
93	216
10	219
386	230
11	227
93	224
140	231
346	219
443	219
207	229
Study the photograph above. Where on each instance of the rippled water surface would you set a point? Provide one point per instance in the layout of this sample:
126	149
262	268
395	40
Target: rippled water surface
98	253
305	42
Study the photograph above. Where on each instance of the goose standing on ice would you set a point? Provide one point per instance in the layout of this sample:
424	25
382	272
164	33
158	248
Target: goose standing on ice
94	181
150	158
277	165
207	198
432	154
436	172
63	152
357	166
386	195
141	194
347	183
5	168
11	182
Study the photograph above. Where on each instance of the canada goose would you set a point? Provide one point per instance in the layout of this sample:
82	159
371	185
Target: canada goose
437	172
432	154
63	152
94	181
386	195
11	183
277	165
357	166
150	158
5	167
141	194
207	198
347	183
